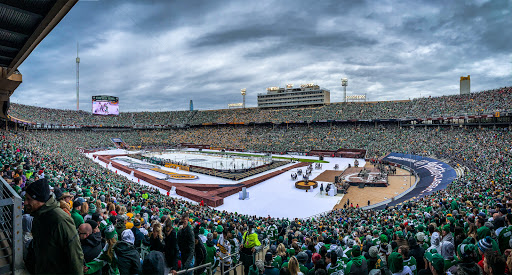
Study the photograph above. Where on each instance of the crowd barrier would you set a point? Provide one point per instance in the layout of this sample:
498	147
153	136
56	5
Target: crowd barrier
11	231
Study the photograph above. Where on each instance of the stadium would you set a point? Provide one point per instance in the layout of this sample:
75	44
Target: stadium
408	186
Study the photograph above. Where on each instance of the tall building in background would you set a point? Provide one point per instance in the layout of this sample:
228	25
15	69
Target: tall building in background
465	85
307	94
191	105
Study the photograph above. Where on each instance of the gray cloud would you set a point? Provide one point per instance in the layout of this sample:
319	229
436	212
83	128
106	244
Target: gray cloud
158	55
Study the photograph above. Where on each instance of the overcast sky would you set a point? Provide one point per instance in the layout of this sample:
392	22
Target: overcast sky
159	55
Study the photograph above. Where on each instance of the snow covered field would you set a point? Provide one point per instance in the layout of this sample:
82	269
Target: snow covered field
276	197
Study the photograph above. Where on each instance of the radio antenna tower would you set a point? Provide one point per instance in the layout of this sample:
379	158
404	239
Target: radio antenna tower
77	78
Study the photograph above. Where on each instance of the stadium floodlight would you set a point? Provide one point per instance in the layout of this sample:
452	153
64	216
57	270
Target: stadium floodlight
77	79
243	92
344	83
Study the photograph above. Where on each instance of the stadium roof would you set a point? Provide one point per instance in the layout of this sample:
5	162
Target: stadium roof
24	24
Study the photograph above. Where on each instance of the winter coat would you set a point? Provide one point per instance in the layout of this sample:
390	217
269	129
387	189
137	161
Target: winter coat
154	263
200	259
77	218
155	244
465	269
418	252
357	265
211	250
171	250
128	259
186	243
56	243
139	237
91	246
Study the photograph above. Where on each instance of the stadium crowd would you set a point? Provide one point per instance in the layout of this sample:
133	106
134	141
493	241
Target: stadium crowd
486	102
464	229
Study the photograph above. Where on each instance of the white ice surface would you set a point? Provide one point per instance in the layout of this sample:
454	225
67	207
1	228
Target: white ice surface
276	197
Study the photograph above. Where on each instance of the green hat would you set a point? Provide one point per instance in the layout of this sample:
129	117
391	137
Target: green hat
220	229
356	251
483	232
383	238
201	230
92	209
446	228
110	232
396	262
466	250
436	260
400	234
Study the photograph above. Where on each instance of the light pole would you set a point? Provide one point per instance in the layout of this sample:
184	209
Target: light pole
243	92
344	83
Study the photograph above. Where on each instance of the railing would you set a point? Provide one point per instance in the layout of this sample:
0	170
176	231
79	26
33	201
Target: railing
11	241
208	267
261	249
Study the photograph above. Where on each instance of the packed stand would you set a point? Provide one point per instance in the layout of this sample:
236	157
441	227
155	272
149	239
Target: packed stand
110	223
486	102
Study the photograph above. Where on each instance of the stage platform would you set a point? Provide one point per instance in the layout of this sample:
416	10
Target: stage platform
352	176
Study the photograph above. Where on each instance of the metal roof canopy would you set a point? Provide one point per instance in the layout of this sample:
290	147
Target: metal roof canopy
24	24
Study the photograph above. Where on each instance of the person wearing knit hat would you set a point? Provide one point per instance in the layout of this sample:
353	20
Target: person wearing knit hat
358	264
372	257
467	255
484	245
396	264
92	210
75	213
448	253
107	256
447	235
436	263
56	253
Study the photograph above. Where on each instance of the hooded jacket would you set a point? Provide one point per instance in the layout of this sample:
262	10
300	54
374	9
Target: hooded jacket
210	252
357	266
465	268
91	246
128	259
56	243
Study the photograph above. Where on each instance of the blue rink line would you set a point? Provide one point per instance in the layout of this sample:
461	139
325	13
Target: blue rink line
433	175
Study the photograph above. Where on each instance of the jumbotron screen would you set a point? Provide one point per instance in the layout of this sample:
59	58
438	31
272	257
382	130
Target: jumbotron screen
105	105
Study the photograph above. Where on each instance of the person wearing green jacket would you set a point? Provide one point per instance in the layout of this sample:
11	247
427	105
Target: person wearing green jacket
357	265
75	213
211	252
56	244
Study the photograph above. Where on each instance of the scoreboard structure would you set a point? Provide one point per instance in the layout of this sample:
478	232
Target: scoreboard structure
105	105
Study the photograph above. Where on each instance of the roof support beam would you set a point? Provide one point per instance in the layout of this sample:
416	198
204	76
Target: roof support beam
54	16
13	32
39	16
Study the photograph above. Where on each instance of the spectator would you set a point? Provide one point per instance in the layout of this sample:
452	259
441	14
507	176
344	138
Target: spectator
171	245
75	213
249	243
56	245
156	238
91	243
357	264
186	243
128	258
494	263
